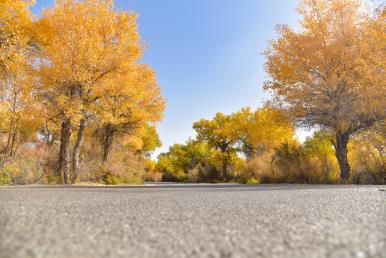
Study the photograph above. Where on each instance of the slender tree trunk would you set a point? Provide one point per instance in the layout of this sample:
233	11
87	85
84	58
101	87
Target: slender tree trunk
9	138
15	150
11	153
341	155
224	170
13	142
6	150
326	166
12	130
65	136
225	156
76	153
108	139
225	166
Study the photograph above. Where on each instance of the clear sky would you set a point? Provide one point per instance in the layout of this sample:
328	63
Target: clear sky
207	54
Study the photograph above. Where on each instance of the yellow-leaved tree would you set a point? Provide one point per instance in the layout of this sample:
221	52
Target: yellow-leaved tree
15	34
128	104
17	47
262	130
331	72
221	134
88	49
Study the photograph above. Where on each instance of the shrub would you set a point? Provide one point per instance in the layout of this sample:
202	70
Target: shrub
130	171
366	156
367	178
111	179
22	171
258	168
253	181
5	179
295	163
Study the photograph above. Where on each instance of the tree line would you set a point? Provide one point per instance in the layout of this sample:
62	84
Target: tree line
78	105
328	75
260	146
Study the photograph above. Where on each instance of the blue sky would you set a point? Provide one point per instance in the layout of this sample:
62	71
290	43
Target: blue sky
207	54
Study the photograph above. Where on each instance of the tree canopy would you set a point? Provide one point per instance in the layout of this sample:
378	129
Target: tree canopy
330	73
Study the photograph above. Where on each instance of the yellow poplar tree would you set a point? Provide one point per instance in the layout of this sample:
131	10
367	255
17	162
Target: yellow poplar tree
16	52
331	73
221	134
15	34
128	104
262	130
86	45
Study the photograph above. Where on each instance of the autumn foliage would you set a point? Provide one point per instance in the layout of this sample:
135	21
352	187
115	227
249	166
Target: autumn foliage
328	76
331	73
77	103
73	86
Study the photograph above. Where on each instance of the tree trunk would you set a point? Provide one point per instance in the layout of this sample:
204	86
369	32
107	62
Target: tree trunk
341	155
225	163
225	170
108	139
65	135
14	135
76	153
6	150
9	138
11	154
225	154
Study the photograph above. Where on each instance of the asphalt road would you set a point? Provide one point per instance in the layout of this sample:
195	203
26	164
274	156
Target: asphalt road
193	221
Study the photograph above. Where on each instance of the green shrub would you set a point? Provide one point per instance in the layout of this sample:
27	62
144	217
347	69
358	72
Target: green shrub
253	181
5	179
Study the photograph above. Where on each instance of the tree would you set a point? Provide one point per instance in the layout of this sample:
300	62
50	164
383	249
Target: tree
262	130
173	164
15	34
193	161
221	134
330	73
367	155
128	104
150	140
16	53
88	46
320	148
141	142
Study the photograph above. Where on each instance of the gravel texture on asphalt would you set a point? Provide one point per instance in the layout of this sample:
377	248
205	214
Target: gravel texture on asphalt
193	221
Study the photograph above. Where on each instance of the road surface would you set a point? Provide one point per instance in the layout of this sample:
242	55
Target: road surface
193	221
